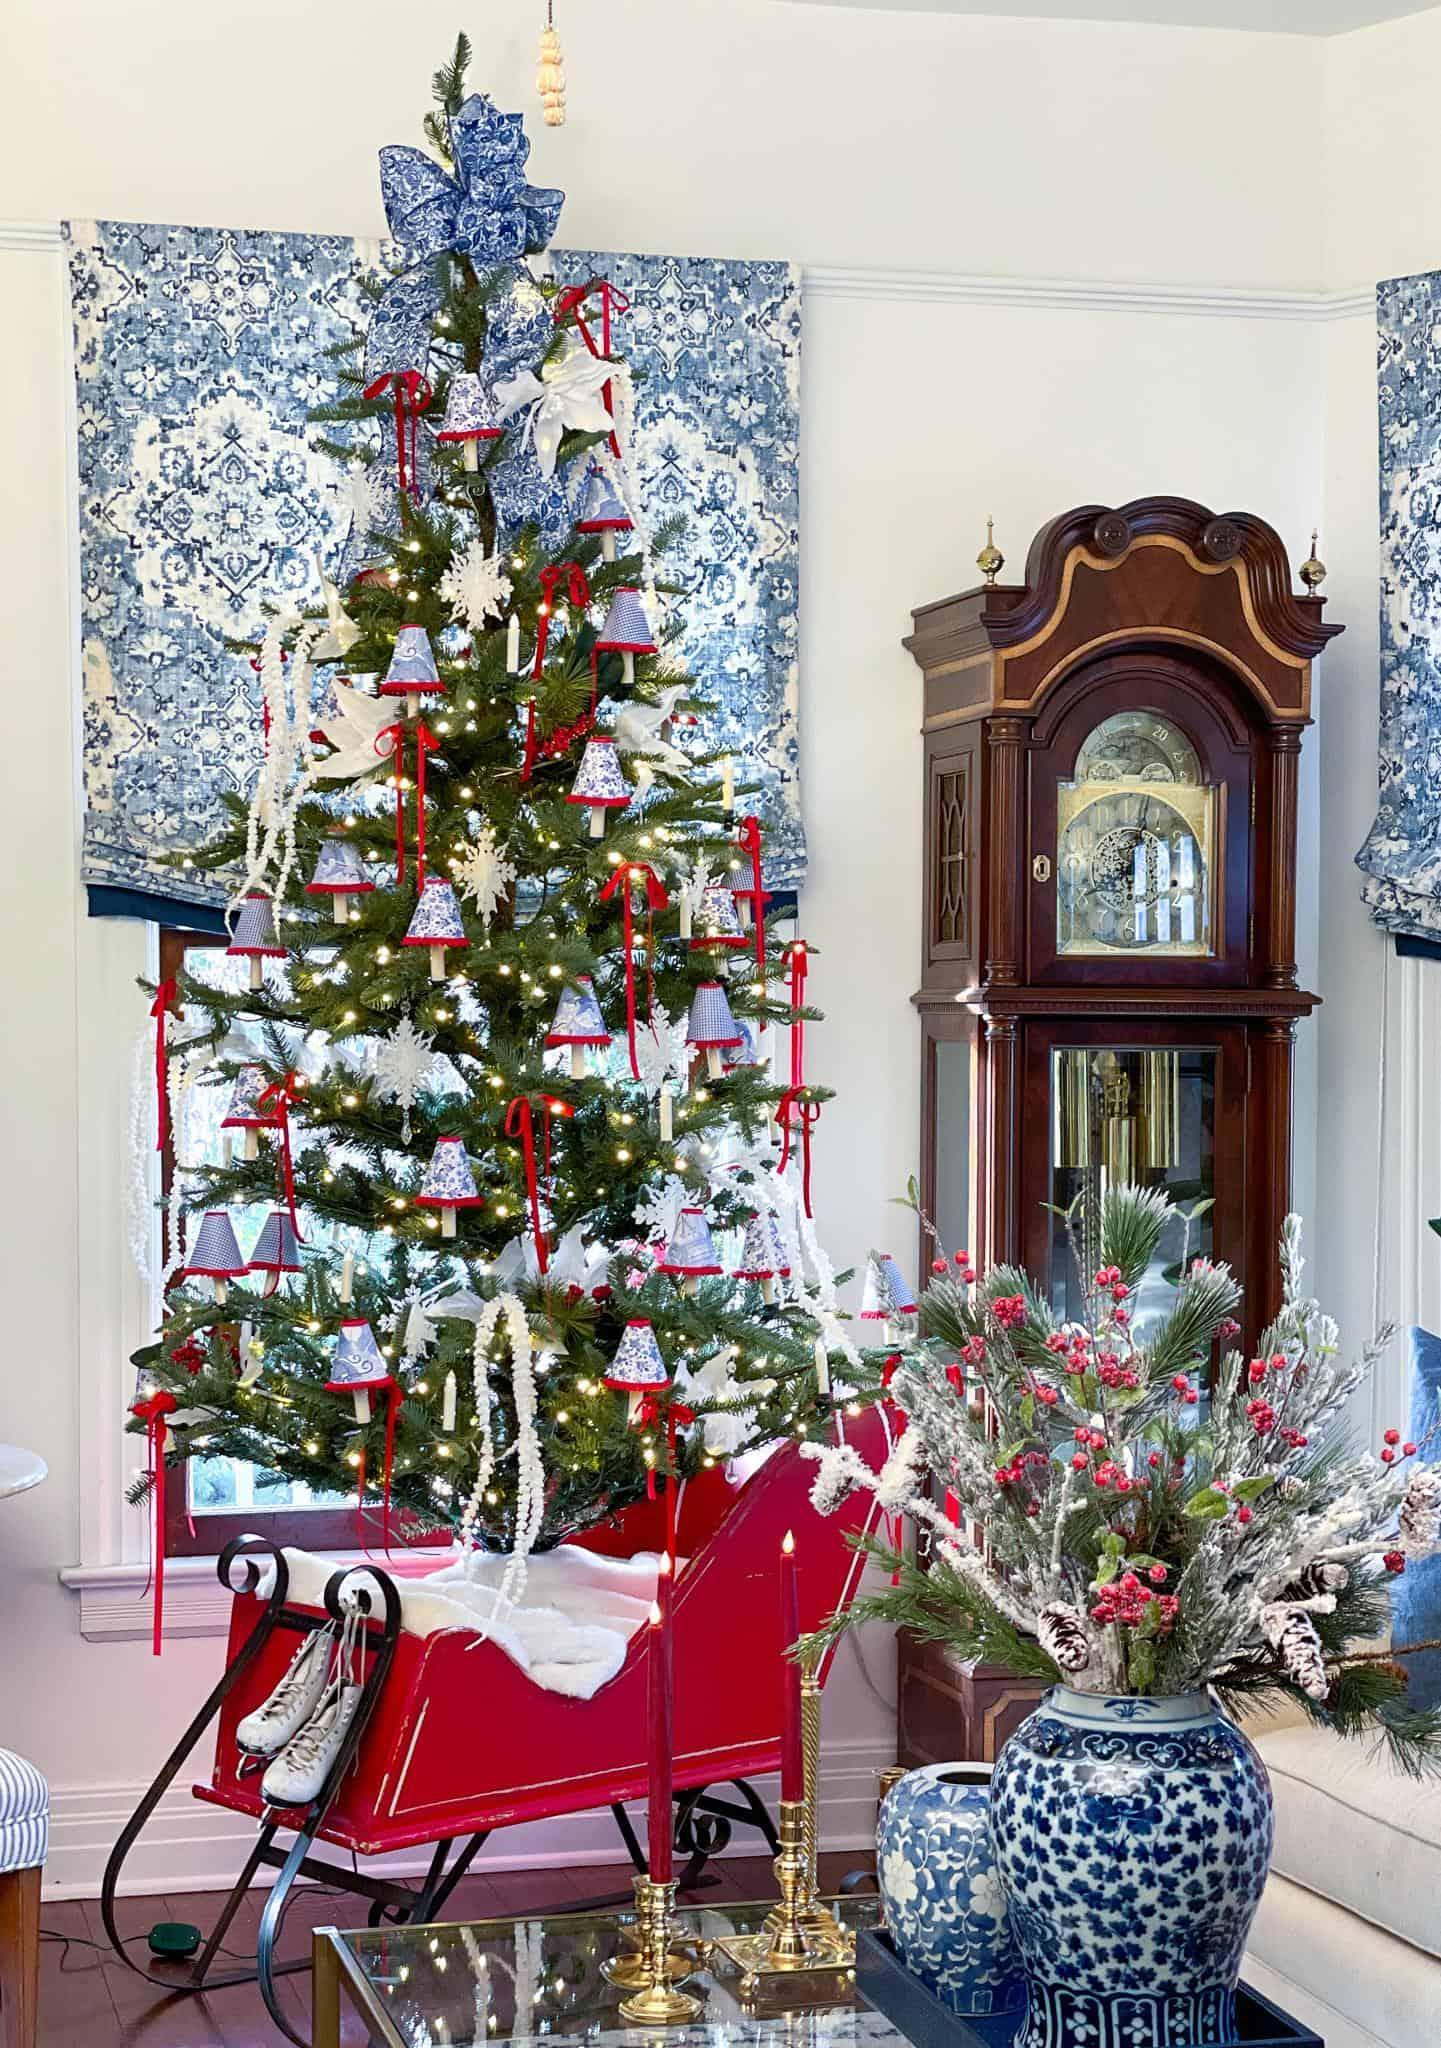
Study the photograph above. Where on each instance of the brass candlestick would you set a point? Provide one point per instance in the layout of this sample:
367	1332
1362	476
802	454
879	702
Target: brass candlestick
792	1961
631	1971
657	2003
811	1913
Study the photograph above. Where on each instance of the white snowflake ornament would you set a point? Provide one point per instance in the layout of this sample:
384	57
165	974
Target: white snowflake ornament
486	874
477	585
402	1065
657	1050
658	1208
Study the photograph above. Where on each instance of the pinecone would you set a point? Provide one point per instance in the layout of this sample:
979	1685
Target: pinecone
1316	1580
1062	1635
1292	1635
1421	1513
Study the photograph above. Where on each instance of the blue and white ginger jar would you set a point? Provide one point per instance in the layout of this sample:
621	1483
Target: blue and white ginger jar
942	1895
1132	1837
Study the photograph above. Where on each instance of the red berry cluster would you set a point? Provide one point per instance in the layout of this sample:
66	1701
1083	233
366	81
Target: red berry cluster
1009	1310
1112	1373
1228	1327
1186	1391
1126	1600
1295	1438
1263	1416
1015	1472
974	1350
964	1268
1394	1561
1391	1439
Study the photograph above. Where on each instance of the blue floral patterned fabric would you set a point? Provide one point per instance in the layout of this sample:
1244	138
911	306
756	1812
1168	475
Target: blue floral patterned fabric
197	354
1401	859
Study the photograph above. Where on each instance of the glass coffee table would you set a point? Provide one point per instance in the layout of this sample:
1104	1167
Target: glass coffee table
492	1981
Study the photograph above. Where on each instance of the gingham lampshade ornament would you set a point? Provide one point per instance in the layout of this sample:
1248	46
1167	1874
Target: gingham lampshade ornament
690	1255
339	874
887	1293
626	632
412	672
437	923
578	1023
711	1027
277	1249
215	1255
599	782
254	935
716	924
358	1367
761	1257
637	1367
469	417
602	512
449	1183
245	1113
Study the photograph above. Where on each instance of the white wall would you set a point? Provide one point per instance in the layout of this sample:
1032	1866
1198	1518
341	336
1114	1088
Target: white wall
1022	149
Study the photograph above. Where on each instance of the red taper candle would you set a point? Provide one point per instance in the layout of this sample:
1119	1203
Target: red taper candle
793	1769
660	1668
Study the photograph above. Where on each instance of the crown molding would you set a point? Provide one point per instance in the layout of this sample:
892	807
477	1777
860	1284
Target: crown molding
964	288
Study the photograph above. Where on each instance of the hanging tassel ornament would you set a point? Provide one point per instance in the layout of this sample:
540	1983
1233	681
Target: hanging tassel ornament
550	74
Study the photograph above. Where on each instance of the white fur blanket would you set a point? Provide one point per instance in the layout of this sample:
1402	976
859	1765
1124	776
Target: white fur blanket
569	1636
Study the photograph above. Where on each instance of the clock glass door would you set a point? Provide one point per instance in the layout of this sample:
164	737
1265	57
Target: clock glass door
1145	1115
1135	844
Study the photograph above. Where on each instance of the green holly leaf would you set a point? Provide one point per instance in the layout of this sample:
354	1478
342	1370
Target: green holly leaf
1142	1666
1028	1410
1252	1489
1107	1570
1207	1505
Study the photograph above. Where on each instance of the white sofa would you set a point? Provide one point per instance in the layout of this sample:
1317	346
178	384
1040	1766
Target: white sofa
1348	1938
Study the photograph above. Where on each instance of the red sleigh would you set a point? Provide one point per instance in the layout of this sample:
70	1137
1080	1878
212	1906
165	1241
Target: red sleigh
418	1769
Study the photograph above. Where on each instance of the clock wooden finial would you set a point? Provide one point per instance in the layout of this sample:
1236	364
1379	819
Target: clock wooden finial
990	561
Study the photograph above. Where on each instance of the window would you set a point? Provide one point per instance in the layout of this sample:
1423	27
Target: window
221	1497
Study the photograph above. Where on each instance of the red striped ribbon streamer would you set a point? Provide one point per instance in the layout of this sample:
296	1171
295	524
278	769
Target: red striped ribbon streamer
750	840
166	1004
655	899
520	1123
425	743
152	1411
412	396
282	1094
612	299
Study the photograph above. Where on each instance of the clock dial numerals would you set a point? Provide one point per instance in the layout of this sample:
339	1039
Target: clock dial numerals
1134	852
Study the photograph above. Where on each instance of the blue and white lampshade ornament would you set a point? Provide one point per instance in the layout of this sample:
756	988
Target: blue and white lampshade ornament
887	1294
626	632
762	1258
449	1183
690	1254
358	1367
711	1028
599	782
437	923
245	1113
469	417
254	935
412	673
215	1254
637	1368
578	1024
277	1249
717	927
339	874
602	511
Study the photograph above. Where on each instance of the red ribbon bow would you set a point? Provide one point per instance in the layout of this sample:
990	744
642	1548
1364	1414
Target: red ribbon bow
166	1004
283	1094
675	1414
655	899
425	743
560	742
793	1104
750	840
612	299
520	1123
795	958
152	1411
578	591
412	396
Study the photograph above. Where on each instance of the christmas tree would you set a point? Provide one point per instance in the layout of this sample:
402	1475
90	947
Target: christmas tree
540	1220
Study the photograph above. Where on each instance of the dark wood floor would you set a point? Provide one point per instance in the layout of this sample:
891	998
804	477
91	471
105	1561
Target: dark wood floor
88	1999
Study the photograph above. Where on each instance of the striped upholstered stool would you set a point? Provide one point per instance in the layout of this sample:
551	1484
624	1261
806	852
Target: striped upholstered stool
24	1827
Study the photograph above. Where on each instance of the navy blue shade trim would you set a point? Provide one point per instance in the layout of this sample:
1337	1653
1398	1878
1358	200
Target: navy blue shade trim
1409	948
107	901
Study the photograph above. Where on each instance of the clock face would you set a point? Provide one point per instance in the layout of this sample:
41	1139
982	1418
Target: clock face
1134	853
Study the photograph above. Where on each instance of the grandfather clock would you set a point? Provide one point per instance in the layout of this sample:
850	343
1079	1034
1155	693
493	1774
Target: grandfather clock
1108	978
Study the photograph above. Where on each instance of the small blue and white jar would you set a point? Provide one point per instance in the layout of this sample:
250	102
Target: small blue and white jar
942	1895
